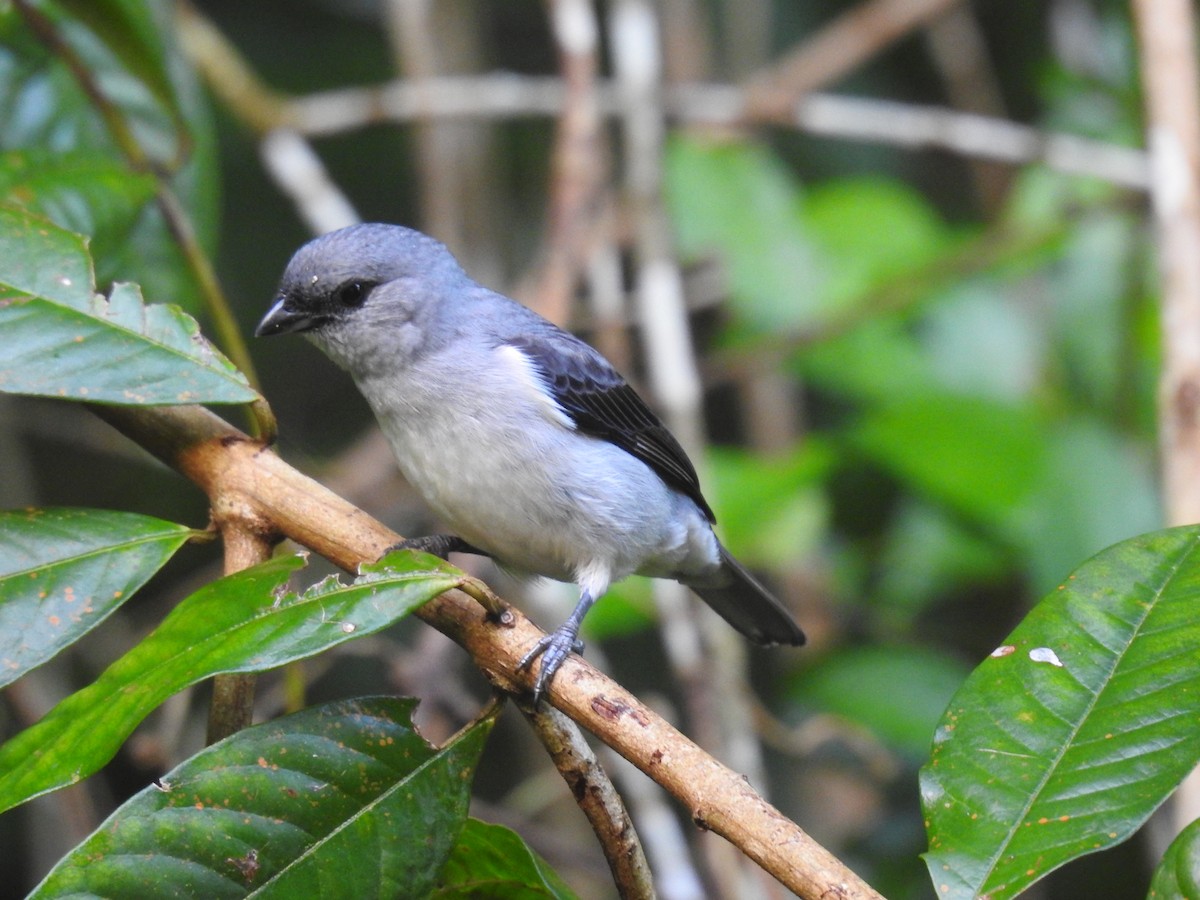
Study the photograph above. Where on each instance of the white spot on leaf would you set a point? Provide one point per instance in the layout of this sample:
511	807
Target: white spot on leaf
1046	655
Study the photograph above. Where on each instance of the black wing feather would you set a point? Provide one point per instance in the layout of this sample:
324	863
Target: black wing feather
601	403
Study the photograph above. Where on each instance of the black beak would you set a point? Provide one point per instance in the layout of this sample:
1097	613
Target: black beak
282	320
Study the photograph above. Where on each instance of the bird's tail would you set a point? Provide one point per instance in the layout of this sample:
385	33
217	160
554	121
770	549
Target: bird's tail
746	605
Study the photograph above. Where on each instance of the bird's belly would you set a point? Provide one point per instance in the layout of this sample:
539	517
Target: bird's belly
551	507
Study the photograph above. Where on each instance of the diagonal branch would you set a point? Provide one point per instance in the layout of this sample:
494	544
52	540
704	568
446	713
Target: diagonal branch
246	481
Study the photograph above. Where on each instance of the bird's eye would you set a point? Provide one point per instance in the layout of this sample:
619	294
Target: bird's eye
352	294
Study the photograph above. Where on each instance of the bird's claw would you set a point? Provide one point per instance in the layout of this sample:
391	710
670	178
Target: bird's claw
441	545
553	649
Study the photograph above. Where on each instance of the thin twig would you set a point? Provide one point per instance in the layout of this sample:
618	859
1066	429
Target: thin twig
578	164
837	50
958	49
596	796
664	835
1166	31
674	379
298	171
232	706
851	118
510	96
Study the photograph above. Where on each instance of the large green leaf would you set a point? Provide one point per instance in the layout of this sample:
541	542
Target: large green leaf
342	800
64	571
241	623
492	861
83	191
1069	736
44	110
60	340
128	30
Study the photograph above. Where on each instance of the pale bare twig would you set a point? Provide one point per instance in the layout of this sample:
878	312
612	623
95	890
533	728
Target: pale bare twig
852	118
579	163
958	49
675	875
1166	32
297	170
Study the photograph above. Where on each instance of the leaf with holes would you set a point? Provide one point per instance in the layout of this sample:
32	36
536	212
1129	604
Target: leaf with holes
64	571
1072	733
243	622
342	800
62	340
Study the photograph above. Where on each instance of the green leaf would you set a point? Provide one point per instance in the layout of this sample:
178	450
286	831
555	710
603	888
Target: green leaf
129	32
980	458
60	340
772	510
241	623
904	237
64	571
342	800
43	110
1098	487
738	200
1178	873
897	693
492	861
84	192
1066	739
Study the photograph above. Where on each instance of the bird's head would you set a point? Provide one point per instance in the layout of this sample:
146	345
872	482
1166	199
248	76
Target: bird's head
362	289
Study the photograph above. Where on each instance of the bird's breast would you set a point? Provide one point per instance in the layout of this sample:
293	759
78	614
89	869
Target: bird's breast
507	475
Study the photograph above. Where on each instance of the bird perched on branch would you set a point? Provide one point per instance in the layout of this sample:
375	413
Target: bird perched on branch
518	435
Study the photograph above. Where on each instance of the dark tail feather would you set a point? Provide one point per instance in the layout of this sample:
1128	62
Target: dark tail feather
745	604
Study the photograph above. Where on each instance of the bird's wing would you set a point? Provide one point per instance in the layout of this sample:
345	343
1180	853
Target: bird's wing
601	403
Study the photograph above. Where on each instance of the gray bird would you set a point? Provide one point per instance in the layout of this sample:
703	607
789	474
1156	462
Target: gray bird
518	435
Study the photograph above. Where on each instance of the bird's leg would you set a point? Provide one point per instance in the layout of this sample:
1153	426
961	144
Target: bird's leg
557	646
438	544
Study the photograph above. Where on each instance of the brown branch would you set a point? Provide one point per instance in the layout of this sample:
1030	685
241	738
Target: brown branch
596	796
232	705
838	49
244	479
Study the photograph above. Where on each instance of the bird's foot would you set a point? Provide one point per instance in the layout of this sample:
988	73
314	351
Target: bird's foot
554	648
441	545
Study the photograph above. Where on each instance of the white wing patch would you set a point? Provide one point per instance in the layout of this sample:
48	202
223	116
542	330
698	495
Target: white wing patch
525	373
